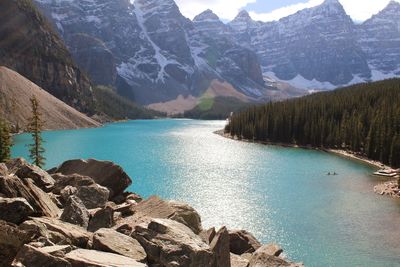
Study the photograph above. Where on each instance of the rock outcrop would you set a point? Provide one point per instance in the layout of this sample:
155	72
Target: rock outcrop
15	210
11	241
75	212
31	47
242	242
154	207
13	187
86	258
131	232
104	173
109	240
170	243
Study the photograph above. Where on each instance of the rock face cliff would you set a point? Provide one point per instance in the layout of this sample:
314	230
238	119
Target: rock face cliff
152	53
321	47
29	46
159	54
15	94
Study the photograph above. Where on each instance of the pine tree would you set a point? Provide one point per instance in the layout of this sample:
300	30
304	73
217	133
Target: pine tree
35	127
5	141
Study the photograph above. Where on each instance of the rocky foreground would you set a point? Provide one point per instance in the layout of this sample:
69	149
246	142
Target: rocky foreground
80	215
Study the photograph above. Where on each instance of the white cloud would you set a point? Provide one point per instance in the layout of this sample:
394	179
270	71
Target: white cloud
359	10
225	9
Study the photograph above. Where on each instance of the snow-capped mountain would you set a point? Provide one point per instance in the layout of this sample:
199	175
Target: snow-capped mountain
379	38
152	53
156	52
322	48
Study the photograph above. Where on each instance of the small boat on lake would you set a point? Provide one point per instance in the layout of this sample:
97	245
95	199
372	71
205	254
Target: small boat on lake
387	173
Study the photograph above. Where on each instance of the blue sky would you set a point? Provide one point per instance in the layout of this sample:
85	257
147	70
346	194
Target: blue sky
267	10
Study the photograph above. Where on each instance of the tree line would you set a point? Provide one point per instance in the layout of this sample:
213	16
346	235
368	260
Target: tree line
363	118
35	126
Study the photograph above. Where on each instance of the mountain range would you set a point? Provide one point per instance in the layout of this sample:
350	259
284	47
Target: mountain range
151	53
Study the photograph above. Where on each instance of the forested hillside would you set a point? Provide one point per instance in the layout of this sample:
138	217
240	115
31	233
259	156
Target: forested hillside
363	118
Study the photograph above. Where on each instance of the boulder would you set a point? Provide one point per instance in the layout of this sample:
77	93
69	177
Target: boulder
208	235
93	258
242	242
104	173
14	164
271	249
15	210
41	178
58	251
75	212
93	196
75	180
13	187
170	243
261	259
67	192
156	208
127	196
3	169
220	247
30	256
109	240
238	261
58	232
11	241
125	209
103	218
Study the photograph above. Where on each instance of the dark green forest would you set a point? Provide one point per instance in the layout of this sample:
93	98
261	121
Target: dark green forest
118	107
363	118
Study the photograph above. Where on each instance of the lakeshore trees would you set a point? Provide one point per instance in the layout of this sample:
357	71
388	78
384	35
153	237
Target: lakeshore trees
35	126
363	118
5	141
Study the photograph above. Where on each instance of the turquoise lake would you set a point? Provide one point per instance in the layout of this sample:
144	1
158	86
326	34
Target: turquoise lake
281	195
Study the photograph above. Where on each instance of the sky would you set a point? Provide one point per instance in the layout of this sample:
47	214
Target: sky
268	10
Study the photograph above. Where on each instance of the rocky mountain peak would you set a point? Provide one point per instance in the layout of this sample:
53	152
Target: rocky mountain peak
392	8
243	16
207	15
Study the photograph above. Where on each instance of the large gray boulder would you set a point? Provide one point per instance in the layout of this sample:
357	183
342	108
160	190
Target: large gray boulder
15	210
242	242
14	187
75	180
93	258
109	240
104	173
57	231
30	256
169	243
103	218
41	178
93	196
220	247
11	241
75	212
154	208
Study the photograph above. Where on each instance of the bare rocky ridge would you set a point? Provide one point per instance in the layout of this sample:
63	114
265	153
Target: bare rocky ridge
30	46
15	107
153	232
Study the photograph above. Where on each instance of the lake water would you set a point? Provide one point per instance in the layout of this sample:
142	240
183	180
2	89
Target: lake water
281	195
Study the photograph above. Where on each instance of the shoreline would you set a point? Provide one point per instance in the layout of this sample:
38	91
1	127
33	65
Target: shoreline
386	188
338	152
